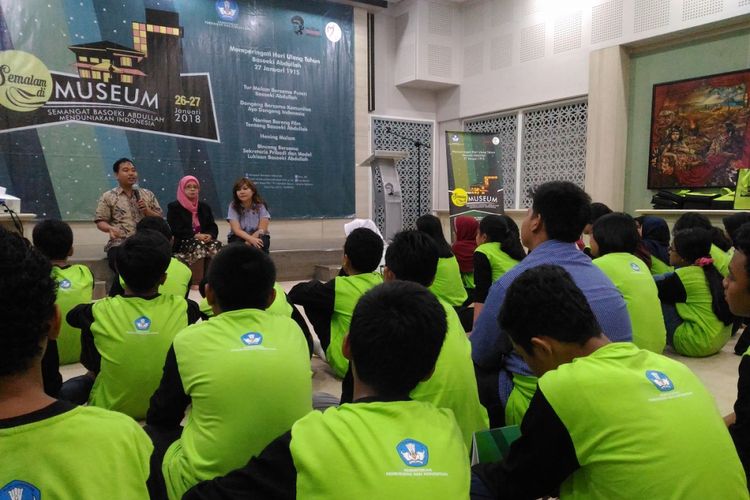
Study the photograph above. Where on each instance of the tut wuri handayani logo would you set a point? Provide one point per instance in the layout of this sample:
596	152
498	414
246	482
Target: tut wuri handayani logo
252	339
142	324
20	490
413	453
25	82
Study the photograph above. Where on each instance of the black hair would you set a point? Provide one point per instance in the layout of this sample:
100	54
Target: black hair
693	243
412	256
598	210
27	303
616	232
142	259
53	238
155	223
120	161
564	208
695	219
396	334
497	230
430	225
742	243
545	301
241	277
364	248
732	223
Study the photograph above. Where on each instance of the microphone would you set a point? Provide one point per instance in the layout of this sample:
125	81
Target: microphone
136	193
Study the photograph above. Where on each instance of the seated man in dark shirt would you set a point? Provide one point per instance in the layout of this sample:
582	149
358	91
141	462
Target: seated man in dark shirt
608	420
383	445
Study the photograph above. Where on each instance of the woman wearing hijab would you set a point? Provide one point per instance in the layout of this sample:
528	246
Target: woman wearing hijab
655	236
193	227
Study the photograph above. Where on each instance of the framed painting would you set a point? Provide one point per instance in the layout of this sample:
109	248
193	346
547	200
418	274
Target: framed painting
699	131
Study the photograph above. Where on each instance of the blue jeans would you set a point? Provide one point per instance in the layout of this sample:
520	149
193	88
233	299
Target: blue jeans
671	320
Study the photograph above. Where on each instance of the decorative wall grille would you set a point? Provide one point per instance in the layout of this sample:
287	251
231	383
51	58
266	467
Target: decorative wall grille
409	169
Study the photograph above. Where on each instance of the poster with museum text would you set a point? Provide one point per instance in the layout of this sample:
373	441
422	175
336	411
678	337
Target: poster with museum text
216	89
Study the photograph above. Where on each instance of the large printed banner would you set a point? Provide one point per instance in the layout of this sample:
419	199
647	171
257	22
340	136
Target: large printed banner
219	90
474	175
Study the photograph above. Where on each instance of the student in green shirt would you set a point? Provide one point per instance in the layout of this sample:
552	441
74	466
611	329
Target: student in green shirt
51	448
246	373
608	421
696	315
498	250
720	242
329	305
413	256
75	282
179	276
737	293
614	242
448	284
125	339
384	445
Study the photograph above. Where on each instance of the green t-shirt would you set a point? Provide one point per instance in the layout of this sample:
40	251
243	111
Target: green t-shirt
643	426
248	376
178	279
447	284
75	285
388	450
524	387
280	304
348	290
701	333
133	335
631	277
79	454
721	260
453	385
500	262
468	280
658	266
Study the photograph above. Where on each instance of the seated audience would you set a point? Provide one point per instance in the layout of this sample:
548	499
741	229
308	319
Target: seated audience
614	242
125	339
655	237
75	282
732	224
329	305
384	445
248	216
246	373
556	219
499	250
609	420
413	256
720	242
179	276
194	228
51	448
737	292
696	315
447	285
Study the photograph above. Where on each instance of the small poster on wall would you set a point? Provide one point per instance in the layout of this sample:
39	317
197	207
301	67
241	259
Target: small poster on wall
699	131
475	184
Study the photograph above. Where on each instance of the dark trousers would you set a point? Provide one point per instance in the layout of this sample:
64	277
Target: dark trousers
162	438
77	389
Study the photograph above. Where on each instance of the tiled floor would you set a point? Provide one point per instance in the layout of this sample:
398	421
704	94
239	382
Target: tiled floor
718	372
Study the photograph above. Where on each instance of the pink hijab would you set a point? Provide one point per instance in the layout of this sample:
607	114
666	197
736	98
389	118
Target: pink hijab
190	206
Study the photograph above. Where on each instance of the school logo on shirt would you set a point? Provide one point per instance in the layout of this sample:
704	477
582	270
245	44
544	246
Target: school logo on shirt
635	267
65	284
660	380
413	453
252	338
142	324
20	490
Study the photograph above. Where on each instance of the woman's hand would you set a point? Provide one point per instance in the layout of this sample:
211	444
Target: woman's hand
203	237
255	242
